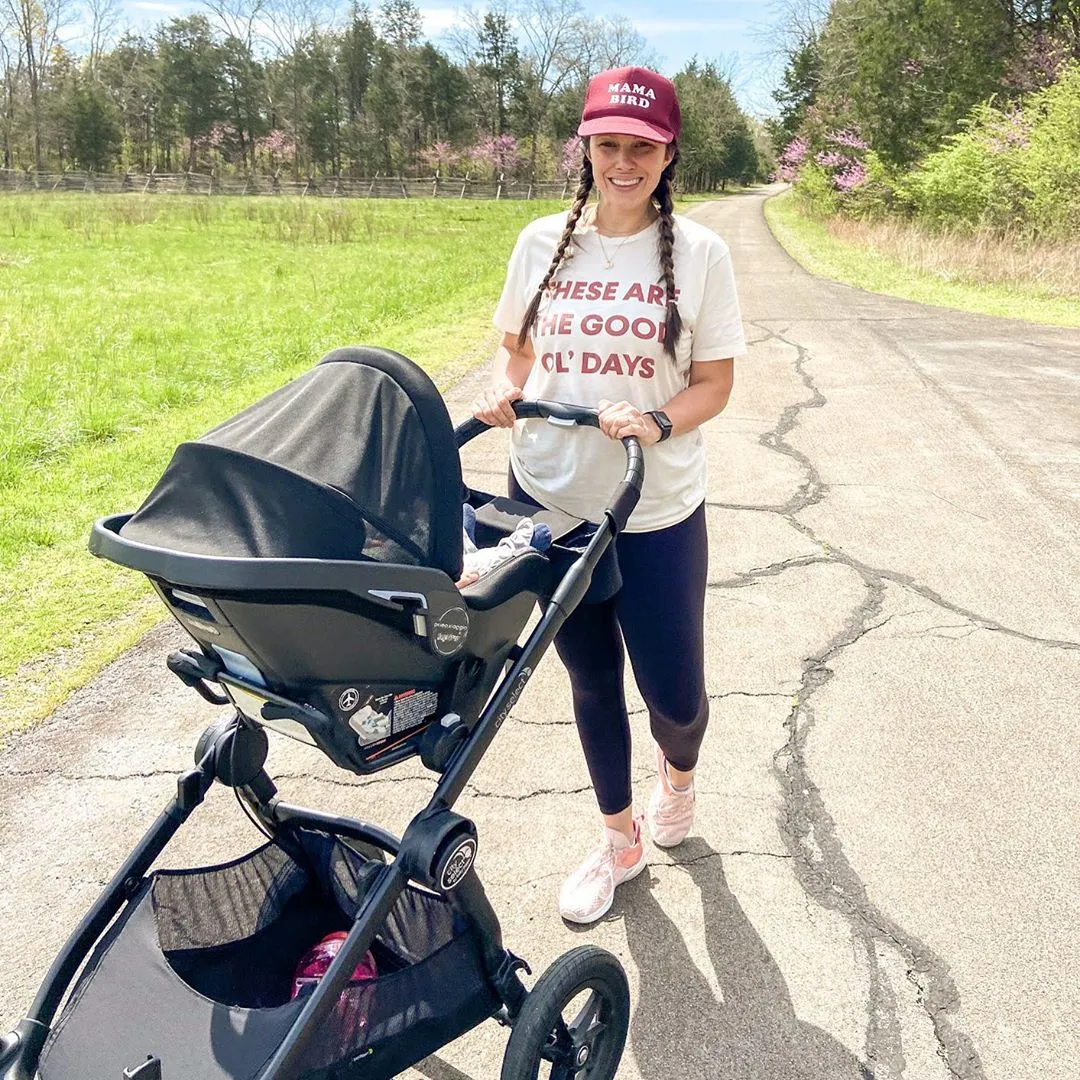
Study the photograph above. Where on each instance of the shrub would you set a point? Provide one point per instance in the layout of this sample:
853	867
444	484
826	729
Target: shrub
969	182
1015	168
815	193
1049	166
880	193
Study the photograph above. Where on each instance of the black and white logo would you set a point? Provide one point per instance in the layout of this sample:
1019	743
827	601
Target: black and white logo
449	631
349	700
458	865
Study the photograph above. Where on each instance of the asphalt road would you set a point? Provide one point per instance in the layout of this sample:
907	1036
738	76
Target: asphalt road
884	881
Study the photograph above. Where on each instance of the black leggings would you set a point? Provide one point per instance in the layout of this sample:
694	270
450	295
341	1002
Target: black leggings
660	614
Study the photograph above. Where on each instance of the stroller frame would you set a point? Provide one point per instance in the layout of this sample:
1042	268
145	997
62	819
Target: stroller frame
436	850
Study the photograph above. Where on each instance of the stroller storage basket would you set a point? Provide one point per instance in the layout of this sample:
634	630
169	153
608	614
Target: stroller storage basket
202	960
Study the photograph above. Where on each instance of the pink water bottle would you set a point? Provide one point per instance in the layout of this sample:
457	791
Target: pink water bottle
317	960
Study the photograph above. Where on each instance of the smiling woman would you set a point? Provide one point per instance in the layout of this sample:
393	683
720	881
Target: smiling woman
613	331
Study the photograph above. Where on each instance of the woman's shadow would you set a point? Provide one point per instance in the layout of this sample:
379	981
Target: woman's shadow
681	1032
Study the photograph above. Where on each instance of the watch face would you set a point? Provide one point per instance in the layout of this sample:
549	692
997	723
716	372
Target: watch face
662	422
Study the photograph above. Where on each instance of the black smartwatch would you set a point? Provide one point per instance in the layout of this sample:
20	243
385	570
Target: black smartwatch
662	422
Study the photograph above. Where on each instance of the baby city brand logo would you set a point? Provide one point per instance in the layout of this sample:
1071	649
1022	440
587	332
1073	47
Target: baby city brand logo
631	94
458	865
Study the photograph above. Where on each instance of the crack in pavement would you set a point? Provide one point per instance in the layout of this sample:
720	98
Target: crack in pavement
530	795
75	778
825	873
814	490
358	782
835	556
723	854
884	1037
820	864
643	712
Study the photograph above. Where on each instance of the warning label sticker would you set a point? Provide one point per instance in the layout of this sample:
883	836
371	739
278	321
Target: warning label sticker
412	708
383	716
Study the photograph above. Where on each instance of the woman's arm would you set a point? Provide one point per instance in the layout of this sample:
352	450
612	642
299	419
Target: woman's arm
704	397
509	372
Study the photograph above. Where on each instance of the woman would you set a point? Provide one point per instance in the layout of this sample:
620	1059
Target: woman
627	308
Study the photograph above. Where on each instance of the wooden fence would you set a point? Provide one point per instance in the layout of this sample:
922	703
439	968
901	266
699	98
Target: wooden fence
191	183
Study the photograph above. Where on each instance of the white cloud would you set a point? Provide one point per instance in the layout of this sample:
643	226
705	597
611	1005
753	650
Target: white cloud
686	26
436	20
153	5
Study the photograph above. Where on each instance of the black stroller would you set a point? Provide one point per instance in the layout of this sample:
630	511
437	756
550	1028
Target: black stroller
310	547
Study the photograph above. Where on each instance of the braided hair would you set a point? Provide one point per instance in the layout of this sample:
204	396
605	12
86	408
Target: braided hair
581	197
664	202
663	199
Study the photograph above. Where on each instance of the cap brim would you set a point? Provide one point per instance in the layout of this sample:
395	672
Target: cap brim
624	125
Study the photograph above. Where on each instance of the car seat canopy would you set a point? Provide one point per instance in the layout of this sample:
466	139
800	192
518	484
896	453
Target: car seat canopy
355	459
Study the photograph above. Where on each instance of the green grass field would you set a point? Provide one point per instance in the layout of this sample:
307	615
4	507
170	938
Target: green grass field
131	323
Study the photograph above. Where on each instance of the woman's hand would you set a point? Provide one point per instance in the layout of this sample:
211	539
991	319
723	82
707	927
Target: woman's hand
494	407
620	419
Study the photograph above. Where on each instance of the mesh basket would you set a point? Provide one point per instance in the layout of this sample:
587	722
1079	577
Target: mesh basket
198	972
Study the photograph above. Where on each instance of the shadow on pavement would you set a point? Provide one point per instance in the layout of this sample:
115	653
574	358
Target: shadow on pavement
434	1068
681	1032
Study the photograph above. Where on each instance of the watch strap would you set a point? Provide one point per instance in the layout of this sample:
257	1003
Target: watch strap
662	421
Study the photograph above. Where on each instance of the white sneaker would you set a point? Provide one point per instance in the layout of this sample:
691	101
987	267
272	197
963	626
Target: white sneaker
587	894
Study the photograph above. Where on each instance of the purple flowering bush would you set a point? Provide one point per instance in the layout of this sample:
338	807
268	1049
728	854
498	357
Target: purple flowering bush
791	159
834	170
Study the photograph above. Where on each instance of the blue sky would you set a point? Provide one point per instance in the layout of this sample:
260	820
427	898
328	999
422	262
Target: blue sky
728	31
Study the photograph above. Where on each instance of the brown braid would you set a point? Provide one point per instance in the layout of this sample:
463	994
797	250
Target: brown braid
585	185
662	195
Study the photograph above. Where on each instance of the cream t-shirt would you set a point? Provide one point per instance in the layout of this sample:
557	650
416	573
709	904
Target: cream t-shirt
599	334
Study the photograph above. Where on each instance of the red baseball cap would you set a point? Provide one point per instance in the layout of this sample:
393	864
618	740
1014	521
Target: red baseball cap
631	101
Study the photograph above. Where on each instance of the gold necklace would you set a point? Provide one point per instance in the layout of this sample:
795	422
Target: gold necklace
609	260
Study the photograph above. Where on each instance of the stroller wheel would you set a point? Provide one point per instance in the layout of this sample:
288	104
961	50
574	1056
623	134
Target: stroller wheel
573	1024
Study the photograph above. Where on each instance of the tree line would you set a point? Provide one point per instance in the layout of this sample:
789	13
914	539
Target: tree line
305	87
958	114
906	73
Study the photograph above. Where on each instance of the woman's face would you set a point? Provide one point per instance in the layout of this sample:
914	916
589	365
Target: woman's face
627	168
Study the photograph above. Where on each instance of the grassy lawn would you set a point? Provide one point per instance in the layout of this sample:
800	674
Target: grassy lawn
1038	284
131	323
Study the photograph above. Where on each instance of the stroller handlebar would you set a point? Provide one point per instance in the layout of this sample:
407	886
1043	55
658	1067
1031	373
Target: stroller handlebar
626	495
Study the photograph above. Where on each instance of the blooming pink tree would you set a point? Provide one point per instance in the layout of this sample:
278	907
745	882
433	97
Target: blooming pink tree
572	155
1038	65
850	176
221	139
497	154
441	156
278	144
848	138
842	159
